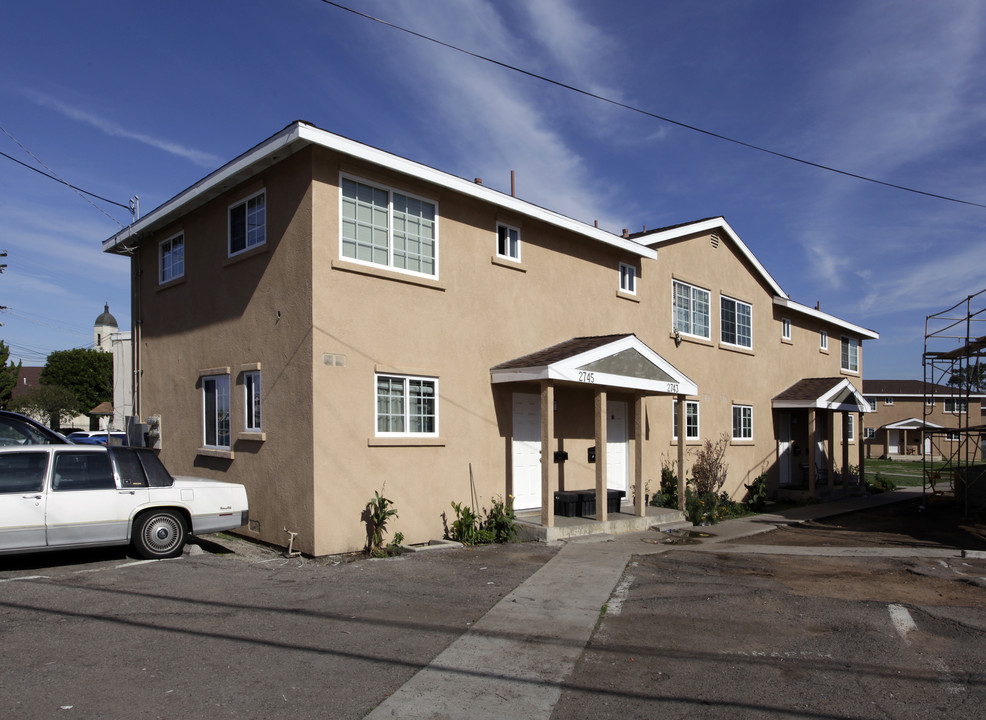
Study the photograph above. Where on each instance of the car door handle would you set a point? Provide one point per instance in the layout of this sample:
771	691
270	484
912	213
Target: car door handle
31	497
127	492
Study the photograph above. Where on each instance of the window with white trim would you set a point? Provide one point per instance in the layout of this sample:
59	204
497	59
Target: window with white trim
888	401
952	436
248	223
384	227
406	405
215	411
930	402
851	427
691	420
690	310
872	401
785	328
171	258
956	406
628	278
742	422
507	242
735	322
823	339
869	433
850	354
252	403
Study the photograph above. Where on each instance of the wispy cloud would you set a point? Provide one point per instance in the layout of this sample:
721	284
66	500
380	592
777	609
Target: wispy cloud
198	157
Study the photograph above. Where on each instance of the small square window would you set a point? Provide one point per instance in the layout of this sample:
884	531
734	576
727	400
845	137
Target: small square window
888	401
406	405
742	422
628	278
691	420
869	433
507	242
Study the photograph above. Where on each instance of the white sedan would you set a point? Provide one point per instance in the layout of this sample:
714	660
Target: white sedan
70	496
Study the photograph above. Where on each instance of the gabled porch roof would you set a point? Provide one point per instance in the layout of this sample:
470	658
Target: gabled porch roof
837	394
615	361
912	424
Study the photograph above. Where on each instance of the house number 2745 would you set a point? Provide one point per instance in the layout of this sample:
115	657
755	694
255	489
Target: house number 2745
587	376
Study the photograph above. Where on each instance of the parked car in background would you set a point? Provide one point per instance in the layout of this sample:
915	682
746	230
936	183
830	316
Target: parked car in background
61	496
17	429
98	437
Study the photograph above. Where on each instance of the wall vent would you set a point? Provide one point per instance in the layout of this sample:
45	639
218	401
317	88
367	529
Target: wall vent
714	239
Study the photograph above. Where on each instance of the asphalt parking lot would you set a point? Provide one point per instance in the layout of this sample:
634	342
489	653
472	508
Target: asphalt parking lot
692	631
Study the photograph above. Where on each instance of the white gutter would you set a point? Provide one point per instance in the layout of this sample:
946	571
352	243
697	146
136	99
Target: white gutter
789	304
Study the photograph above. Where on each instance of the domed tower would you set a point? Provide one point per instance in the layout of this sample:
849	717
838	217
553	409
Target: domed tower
103	329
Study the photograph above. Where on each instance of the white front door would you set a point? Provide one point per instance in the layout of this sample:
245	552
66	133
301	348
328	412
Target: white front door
784	447
617	447
526	451
893	442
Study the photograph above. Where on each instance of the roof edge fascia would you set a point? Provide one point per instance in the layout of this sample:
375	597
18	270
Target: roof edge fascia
789	304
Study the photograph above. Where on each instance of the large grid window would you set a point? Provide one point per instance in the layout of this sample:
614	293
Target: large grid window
850	354
691	309
956	406
507	242
406	405
742	422
736	322
171	258
248	223
251	387
385	227
215	411
691	420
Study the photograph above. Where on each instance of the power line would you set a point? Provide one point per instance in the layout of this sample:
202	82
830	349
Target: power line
640	111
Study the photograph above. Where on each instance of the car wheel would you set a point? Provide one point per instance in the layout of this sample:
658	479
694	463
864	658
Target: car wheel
159	534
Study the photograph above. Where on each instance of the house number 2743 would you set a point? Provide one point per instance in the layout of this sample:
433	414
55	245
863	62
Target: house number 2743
587	376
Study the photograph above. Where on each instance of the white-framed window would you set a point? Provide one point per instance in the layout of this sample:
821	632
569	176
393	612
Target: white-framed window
253	422
956	406
888	401
929	402
406	405
691	420
628	278
872	402
851	427
690	310
742	422
171	258
381	226
785	328
215	411
952	436
823	339
869	433
850	354
248	223
508	242
735	322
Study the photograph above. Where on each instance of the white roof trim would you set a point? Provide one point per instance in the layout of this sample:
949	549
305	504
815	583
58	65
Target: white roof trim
911	424
789	304
305	133
827	400
567	370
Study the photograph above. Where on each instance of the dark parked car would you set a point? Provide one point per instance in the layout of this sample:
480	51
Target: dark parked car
17	429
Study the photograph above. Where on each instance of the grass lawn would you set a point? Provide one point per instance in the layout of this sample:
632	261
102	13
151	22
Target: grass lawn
904	473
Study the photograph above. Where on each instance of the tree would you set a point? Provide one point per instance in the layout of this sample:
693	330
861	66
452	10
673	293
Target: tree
88	374
8	375
973	376
48	404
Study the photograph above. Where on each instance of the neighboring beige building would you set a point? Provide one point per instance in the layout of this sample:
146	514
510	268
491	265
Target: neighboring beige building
320	320
911	420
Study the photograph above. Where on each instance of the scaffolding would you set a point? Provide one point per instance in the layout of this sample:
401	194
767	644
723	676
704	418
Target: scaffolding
955	358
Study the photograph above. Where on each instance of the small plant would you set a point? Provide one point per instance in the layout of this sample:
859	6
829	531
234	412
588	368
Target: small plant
756	493
880	484
376	515
709	469
668	496
497	526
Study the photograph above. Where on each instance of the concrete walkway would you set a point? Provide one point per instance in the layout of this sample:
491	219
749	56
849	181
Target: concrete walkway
512	663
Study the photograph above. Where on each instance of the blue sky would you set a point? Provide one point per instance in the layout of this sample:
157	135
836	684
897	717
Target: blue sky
125	99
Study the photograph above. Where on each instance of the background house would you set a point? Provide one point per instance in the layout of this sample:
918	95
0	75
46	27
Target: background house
320	320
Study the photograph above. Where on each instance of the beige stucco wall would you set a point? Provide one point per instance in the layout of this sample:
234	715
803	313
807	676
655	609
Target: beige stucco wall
904	408
341	322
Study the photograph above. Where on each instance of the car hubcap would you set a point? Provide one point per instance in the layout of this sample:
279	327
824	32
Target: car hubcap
162	534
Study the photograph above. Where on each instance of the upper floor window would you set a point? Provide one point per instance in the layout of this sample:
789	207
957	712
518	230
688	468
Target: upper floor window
742	422
823	339
691	309
385	227
785	329
736	322
251	387
850	354
850	427
930	402
406	405
869	433
507	242
628	278
215	411
691	420
888	401
171	258
956	406
248	223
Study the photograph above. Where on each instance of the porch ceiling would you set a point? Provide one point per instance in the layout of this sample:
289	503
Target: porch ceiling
616	361
837	394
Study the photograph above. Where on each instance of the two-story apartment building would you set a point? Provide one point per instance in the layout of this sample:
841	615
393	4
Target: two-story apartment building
319	319
911	420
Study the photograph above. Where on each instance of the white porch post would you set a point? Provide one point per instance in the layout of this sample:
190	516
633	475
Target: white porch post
680	400
640	503
549	471
812	442
845	450
860	442
830	442
600	455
